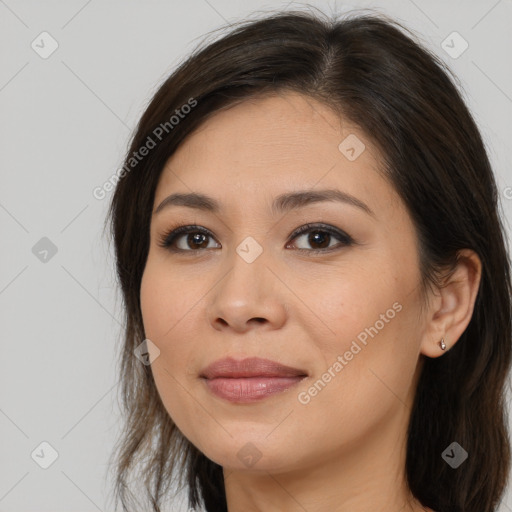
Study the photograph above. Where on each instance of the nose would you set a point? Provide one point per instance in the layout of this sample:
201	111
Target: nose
249	296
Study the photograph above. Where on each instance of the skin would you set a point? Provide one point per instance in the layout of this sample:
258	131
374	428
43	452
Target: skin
345	449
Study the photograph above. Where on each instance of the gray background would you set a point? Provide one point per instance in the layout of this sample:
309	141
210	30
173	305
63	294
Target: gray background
65	124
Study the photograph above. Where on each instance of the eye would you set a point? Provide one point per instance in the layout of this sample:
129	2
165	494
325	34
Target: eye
318	235
197	238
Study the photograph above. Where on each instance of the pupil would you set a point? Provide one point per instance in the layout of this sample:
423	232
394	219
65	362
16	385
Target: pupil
322	239
196	239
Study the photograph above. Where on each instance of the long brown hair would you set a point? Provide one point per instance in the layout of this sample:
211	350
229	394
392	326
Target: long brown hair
375	73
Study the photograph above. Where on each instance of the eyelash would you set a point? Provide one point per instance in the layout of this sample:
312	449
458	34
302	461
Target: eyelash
169	237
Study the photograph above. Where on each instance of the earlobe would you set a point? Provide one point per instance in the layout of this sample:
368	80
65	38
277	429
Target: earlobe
452	311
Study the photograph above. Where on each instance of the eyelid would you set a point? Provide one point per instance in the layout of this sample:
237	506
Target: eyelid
321	227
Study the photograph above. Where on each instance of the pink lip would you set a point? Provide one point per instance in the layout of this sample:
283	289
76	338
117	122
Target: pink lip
249	380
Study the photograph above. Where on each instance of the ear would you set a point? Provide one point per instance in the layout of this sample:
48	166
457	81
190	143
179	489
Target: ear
451	307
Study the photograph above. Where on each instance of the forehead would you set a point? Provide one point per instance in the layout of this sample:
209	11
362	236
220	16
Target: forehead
274	144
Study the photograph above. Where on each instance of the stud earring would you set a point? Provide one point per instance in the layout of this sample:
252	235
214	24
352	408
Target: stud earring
442	344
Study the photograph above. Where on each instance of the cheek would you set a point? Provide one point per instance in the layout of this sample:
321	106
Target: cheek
167	300
366	375
350	301
169	311
369	316
170	306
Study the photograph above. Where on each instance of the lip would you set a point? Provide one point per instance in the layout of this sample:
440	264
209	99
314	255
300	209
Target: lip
249	380
249	367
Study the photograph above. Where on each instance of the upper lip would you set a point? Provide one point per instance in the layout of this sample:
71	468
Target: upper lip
249	367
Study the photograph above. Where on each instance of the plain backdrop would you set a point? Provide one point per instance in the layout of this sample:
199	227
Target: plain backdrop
66	119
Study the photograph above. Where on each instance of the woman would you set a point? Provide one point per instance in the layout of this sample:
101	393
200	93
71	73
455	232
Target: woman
315	279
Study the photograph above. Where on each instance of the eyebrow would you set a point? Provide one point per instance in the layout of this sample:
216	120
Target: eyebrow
282	203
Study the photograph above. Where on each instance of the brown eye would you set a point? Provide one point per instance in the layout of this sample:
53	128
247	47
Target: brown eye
197	239
319	238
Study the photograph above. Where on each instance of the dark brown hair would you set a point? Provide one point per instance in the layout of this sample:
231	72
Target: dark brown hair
372	71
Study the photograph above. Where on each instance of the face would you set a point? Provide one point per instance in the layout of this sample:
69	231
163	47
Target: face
339	302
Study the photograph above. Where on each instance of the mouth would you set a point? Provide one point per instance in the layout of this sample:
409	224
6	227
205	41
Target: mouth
249	380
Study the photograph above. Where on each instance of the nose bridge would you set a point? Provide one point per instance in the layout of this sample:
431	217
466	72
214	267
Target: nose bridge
246	291
247	276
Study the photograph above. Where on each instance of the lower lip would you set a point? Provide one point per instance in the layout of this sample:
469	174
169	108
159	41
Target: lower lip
250	389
